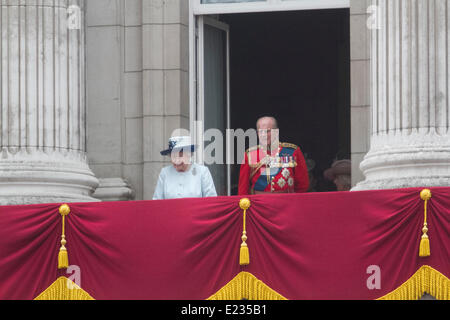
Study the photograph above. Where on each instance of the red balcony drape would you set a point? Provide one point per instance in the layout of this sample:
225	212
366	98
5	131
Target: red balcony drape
303	246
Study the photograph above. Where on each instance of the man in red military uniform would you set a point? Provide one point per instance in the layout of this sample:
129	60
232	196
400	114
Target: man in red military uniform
272	167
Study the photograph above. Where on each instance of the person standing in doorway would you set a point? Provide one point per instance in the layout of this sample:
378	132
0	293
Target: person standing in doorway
271	166
341	174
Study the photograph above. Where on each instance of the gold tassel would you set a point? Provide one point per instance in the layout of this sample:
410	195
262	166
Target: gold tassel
244	257
424	249
63	257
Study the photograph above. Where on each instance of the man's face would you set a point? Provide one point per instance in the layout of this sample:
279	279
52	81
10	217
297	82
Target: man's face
267	132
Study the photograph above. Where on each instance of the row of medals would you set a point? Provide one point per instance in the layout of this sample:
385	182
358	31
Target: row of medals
275	163
280	162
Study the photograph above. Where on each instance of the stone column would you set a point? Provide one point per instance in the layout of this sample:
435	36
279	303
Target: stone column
42	101
410	144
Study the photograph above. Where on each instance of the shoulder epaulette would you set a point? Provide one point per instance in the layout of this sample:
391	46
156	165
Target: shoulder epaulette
289	145
252	149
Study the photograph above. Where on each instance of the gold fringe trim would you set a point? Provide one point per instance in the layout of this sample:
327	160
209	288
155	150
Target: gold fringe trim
246	286
425	280
64	289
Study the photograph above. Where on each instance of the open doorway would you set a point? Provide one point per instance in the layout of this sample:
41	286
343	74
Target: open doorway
294	65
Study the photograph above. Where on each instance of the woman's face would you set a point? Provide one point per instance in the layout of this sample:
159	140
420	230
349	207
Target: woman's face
181	160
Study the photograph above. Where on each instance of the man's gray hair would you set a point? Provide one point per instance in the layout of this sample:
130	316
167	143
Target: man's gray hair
275	121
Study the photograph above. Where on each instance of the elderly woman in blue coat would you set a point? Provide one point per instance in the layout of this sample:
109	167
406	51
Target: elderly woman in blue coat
183	179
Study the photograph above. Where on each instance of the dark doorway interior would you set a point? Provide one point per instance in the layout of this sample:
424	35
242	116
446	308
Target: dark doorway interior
296	67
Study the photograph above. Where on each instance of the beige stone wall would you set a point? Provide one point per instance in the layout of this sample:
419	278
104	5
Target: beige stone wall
114	90
137	86
165	25
360	85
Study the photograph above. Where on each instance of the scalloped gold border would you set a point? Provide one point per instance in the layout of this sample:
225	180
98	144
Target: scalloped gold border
425	280
246	286
64	289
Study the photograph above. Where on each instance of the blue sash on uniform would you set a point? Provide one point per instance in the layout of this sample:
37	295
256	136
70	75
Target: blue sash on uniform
263	182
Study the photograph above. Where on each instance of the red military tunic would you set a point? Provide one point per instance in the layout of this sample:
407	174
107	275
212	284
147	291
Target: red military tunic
284	171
